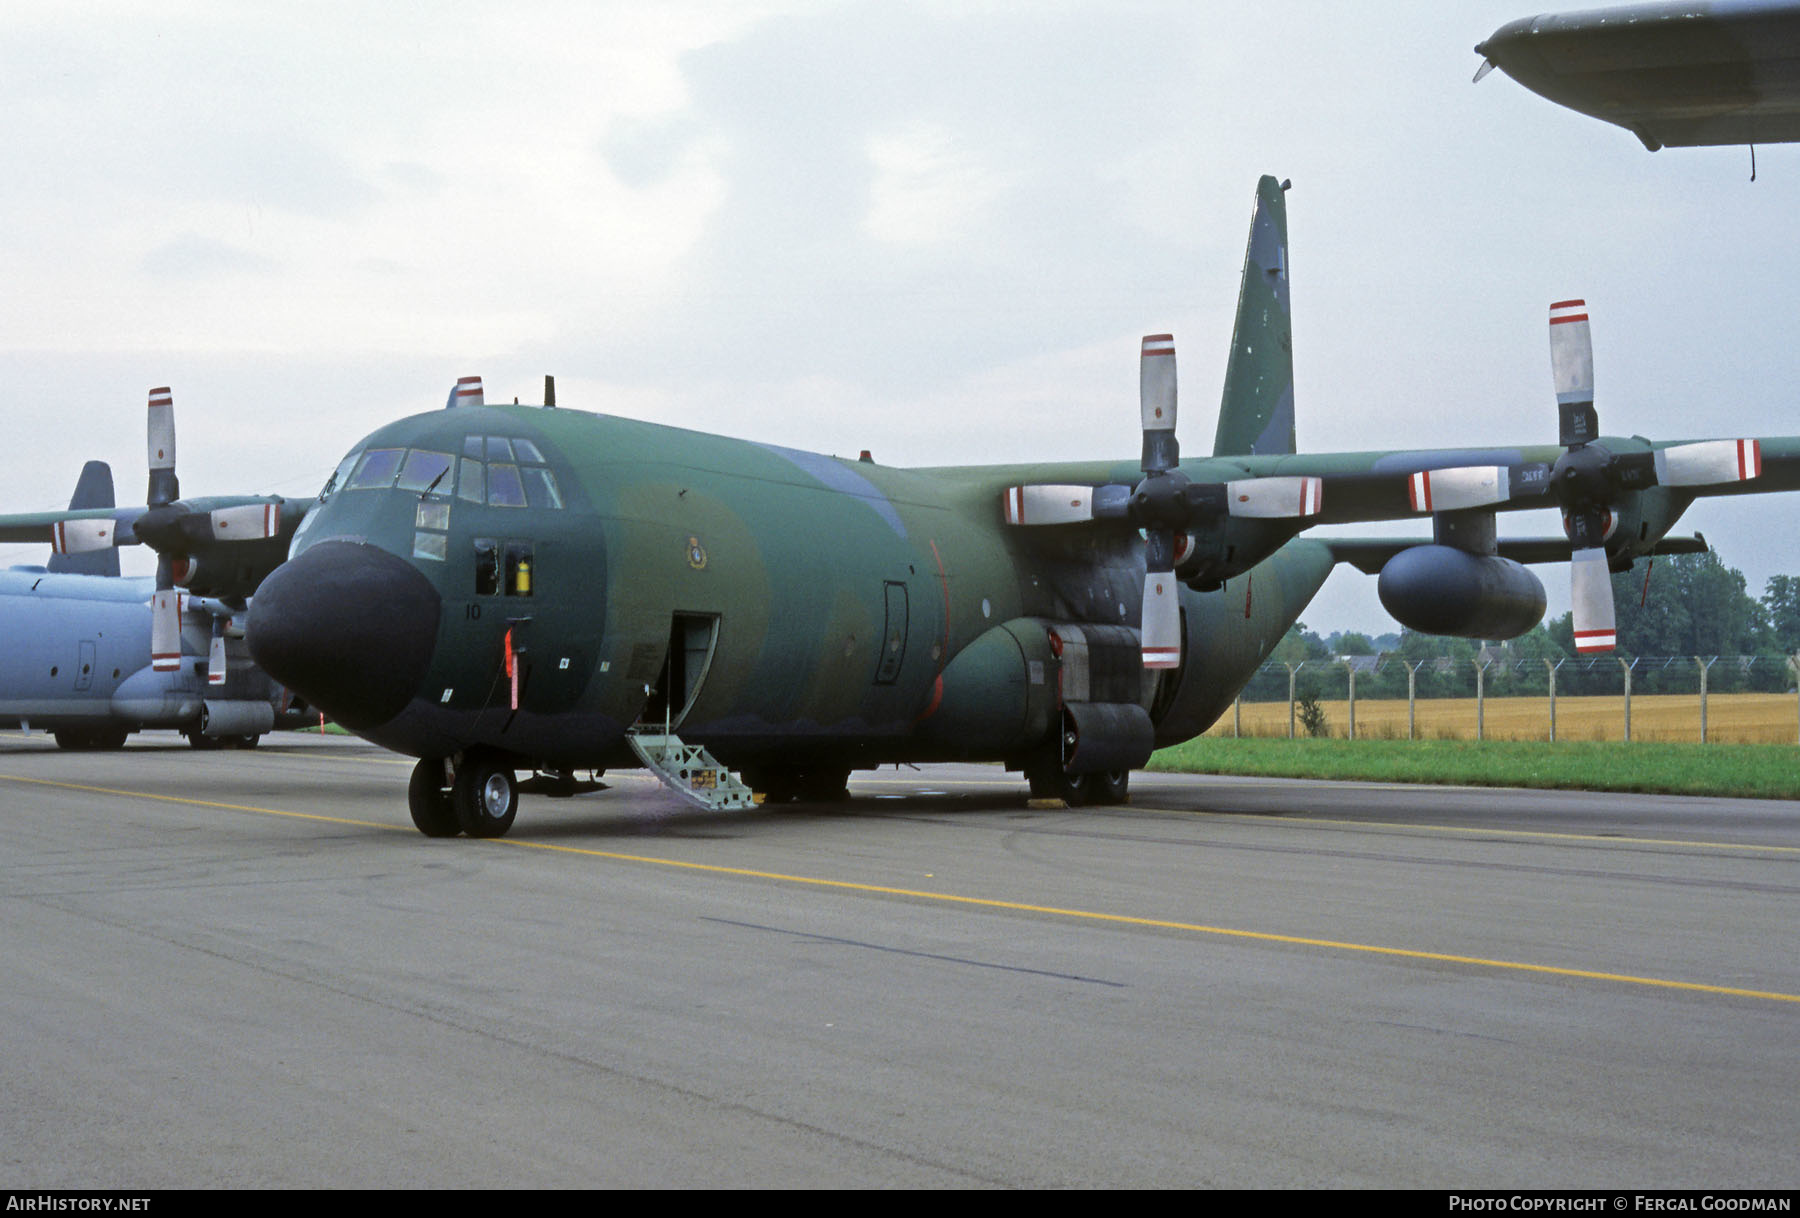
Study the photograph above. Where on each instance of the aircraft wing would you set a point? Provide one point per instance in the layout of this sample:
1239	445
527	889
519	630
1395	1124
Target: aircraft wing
1370	554
1672	74
221	545
1371	486
91	528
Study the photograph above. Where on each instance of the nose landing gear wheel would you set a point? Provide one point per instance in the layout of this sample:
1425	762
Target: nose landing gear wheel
428	798
485	796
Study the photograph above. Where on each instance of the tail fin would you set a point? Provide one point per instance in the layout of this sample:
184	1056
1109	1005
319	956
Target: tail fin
1256	415
94	489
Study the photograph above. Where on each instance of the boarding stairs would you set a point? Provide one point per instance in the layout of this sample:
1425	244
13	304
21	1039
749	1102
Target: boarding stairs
690	771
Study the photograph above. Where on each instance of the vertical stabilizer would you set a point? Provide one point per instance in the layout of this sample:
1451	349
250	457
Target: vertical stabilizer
1256	415
94	489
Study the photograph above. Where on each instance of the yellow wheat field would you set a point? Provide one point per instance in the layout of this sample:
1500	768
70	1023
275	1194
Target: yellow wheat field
1730	718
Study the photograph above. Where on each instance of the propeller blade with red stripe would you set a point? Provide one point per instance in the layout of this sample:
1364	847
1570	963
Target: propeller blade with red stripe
1591	598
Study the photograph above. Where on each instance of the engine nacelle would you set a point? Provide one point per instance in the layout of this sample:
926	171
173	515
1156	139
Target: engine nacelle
1443	590
236	718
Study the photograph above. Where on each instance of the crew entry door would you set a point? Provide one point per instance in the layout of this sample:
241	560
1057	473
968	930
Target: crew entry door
692	637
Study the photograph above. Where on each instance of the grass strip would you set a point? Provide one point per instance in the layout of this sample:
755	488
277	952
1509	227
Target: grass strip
1754	771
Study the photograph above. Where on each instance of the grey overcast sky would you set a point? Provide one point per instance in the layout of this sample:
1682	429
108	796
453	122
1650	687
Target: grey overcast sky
933	230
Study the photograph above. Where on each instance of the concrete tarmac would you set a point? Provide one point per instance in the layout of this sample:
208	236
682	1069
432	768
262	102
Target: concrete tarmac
247	969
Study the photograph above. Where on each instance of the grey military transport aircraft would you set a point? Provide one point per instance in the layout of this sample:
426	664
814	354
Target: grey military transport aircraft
497	589
77	657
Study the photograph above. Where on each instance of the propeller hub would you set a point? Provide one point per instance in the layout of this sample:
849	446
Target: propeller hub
1161	502
1582	479
164	528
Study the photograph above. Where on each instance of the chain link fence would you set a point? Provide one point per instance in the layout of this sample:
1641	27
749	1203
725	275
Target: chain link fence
1740	698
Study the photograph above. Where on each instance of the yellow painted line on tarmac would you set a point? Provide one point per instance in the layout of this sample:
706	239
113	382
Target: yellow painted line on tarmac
1608	838
948	898
198	803
1087	915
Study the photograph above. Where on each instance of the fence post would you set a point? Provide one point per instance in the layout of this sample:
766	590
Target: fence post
1412	677
1292	669
1237	716
1703	665
1626	669
1794	663
1550	671
1481	699
1351	669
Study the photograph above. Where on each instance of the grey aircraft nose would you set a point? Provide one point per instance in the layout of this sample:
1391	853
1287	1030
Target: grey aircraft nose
347	626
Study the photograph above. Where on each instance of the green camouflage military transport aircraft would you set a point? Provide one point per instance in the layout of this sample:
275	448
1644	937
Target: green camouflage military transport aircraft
507	589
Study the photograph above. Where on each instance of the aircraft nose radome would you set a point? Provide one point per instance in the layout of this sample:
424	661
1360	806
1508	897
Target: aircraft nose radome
347	626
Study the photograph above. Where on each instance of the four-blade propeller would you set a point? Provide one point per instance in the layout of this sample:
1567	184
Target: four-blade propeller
176	530
1589	481
1165	503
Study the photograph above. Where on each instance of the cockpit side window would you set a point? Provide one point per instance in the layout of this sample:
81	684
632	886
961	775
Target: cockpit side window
540	487
502	567
518	568
337	477
487	566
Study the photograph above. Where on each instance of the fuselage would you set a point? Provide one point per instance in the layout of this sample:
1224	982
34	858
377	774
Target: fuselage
536	581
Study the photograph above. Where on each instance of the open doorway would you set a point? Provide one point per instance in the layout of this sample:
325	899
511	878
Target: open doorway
692	637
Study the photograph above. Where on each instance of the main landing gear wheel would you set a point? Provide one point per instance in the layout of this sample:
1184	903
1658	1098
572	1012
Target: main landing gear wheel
85	739
1049	780
485	796
428	798
784	785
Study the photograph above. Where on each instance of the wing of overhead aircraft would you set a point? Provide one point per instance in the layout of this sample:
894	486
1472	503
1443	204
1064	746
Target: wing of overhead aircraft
1673	74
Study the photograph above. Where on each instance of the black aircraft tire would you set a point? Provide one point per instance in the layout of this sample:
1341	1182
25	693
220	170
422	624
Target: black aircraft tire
786	784
90	739
1112	787
1050	781
203	742
773	785
485	796
429	802
246	742
825	786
